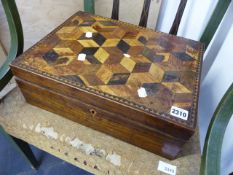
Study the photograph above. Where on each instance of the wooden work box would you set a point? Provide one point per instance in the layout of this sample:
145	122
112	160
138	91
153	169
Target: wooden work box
133	83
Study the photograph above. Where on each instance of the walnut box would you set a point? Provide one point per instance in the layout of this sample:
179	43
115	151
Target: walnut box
130	82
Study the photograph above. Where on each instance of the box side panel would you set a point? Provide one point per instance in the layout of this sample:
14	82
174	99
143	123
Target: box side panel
154	123
100	120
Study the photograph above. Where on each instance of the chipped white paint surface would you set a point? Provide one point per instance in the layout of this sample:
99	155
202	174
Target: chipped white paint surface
75	143
86	148
114	159
47	131
16	117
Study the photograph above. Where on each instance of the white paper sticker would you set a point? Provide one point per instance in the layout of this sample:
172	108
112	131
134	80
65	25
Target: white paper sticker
142	92
82	57
167	168
88	34
126	55
179	113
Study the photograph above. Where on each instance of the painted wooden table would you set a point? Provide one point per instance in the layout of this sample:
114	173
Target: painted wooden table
86	148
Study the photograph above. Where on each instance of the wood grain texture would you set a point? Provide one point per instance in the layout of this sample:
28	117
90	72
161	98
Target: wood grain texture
167	67
101	120
115	9
178	17
129	10
137	117
20	119
145	13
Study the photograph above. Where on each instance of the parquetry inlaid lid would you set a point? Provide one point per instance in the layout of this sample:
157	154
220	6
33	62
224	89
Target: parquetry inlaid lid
153	70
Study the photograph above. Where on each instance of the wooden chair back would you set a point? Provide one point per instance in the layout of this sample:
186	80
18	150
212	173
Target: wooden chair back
89	6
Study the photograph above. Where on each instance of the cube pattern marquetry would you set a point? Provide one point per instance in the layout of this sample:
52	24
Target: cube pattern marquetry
120	58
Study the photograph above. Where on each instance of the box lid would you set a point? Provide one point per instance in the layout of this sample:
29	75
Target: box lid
139	68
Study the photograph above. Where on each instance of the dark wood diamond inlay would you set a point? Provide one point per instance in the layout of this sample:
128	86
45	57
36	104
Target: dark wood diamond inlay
123	46
99	39
171	77
183	56
151	88
119	78
89	50
142	39
165	44
142	67
50	57
151	55
92	59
